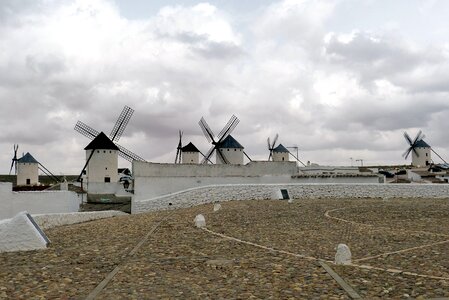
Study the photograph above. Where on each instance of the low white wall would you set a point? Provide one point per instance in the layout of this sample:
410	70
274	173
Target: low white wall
40	202
207	194
46	221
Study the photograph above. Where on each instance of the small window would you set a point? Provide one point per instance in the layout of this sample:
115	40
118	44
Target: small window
427	154
107	179
235	149
110	151
104	151
283	159
98	151
28	181
106	168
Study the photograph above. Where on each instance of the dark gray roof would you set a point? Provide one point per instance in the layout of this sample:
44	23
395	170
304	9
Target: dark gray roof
230	142
422	144
281	149
27	158
190	148
101	142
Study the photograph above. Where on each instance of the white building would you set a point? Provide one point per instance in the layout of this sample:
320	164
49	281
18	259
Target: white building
190	154
27	170
103	162
423	158
231	150
280	153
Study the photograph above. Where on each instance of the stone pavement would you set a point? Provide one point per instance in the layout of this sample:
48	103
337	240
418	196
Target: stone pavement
181	261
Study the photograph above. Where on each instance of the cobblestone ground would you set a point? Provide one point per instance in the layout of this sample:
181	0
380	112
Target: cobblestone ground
181	261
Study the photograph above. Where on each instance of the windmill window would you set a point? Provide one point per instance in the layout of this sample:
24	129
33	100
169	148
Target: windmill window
98	151
110	151
235	149
106	168
228	149
107	179
427	154
104	151
28	181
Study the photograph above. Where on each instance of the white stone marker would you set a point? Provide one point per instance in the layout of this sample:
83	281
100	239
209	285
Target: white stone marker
200	221
276	194
290	201
343	255
21	233
217	207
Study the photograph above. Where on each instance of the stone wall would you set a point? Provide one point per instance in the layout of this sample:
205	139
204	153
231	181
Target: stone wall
207	194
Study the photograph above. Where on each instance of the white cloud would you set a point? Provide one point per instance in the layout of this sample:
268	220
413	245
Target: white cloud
282	70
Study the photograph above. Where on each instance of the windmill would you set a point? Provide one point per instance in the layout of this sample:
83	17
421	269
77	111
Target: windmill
114	136
271	146
420	150
217	141
178	158
14	160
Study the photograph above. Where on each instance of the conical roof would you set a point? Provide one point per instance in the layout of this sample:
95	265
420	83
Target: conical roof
190	148
230	142
422	144
101	142
280	149
27	158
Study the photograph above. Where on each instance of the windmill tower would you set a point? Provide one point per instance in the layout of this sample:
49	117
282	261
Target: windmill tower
190	154
27	170
231	152
107	160
280	153
227	149
421	151
102	160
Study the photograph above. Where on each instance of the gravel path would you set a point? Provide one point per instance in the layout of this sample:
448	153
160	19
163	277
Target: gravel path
181	261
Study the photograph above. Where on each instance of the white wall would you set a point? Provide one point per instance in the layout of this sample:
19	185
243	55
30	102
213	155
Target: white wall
424	156
281	156
41	202
190	157
27	171
233	155
104	163
208	194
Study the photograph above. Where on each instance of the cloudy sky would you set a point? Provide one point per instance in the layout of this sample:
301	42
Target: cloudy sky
338	79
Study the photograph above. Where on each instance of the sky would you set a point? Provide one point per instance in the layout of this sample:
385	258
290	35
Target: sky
341	80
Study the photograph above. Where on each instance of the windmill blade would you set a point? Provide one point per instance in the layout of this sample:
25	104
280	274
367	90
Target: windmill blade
418	137
12	166
275	140
228	128
271	155
121	123
269	144
14	159
128	155
204	158
416	152
86	130
208	155
408	138
407	152
208	133
178	149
